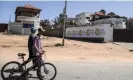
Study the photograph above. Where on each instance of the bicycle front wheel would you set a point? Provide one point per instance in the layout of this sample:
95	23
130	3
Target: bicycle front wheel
11	69
46	71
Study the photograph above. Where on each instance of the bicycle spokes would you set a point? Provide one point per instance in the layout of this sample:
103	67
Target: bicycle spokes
12	70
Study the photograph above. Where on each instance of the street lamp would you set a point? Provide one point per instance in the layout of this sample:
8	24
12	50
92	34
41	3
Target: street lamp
64	29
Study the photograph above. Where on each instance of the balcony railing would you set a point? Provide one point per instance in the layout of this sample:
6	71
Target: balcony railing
25	18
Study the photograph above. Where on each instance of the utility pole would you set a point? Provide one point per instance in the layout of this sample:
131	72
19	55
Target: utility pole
9	23
10	18
64	29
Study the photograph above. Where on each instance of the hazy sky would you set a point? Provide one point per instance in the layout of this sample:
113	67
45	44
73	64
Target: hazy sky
51	9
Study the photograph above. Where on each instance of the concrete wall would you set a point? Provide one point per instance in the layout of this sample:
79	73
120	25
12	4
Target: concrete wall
98	31
15	27
57	32
26	31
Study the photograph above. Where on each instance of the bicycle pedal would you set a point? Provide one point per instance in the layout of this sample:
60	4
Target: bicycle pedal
28	75
34	70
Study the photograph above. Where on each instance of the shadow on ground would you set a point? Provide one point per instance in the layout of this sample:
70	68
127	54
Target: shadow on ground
131	50
93	40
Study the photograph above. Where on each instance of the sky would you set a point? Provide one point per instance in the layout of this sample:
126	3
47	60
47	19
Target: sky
52	9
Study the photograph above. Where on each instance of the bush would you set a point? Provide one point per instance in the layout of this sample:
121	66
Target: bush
58	44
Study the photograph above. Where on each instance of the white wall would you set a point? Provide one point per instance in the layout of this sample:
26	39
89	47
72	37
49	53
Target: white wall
15	27
118	22
81	18
105	31
26	31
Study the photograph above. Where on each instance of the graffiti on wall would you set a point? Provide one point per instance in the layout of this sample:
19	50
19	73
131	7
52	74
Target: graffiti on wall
108	21
88	32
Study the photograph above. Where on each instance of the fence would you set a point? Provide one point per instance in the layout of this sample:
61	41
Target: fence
57	32
122	35
3	27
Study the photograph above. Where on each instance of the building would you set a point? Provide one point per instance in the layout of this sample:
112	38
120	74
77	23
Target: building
25	17
84	19
118	23
70	20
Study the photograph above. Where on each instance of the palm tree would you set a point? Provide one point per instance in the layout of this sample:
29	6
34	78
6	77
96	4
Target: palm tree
61	19
129	23
56	21
45	22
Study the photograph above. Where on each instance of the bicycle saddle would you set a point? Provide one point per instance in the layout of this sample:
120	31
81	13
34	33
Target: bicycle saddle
21	54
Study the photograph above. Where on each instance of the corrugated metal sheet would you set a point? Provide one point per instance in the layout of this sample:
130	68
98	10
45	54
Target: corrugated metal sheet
123	35
3	27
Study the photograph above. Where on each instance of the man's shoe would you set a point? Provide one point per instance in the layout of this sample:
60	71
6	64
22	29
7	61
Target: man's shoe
42	77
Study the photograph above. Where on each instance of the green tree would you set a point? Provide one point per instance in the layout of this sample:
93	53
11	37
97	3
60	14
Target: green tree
56	21
129	23
45	22
59	20
103	11
111	14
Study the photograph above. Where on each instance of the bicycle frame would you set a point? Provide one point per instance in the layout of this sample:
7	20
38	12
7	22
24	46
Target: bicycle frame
28	60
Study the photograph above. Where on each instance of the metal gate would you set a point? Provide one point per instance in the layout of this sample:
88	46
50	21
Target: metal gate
3	27
122	35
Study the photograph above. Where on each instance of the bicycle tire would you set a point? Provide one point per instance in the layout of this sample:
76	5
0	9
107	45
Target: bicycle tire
12	62
39	69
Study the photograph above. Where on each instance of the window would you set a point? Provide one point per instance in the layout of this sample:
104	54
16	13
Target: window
28	25
124	20
88	24
87	17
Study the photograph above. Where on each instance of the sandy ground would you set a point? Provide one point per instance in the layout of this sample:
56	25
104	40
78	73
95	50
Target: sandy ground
77	60
74	51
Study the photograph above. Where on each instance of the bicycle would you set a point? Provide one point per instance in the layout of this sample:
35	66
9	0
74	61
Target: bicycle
20	72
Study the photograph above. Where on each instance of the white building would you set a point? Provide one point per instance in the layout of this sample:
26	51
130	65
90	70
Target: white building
118	23
84	18
26	17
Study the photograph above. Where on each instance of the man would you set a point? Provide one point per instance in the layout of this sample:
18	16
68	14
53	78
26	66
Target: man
30	45
35	48
30	42
38	50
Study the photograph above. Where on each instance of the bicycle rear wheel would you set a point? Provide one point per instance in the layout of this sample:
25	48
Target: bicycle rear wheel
46	71
11	69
